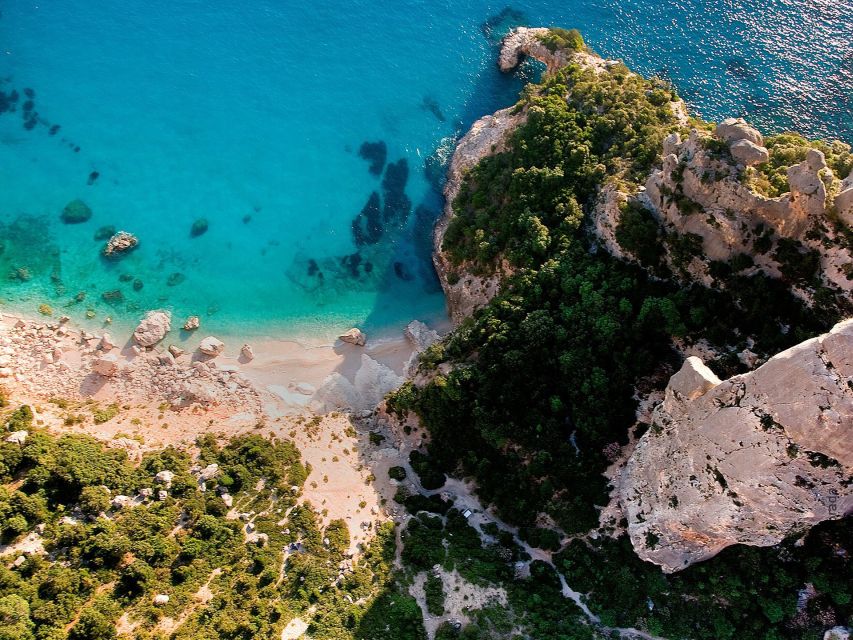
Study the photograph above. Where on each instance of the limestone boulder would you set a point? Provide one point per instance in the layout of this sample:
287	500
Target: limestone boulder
247	352
153	328
106	366
211	346
734	129
749	154
354	336
192	323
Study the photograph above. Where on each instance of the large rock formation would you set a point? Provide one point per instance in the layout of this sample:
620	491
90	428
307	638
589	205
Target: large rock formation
749	460
699	190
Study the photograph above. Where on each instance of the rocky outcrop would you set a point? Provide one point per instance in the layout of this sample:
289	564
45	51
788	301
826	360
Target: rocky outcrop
700	190
748	460
153	328
371	383
421	337
120	243
524	42
465	292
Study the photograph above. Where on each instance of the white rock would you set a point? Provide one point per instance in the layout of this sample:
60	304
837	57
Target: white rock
211	346
354	336
166	358
228	500
153	328
733	129
837	633
107	343
176	352
209	472
165	477
17	437
247	352
192	323
119	502
162	495
160	599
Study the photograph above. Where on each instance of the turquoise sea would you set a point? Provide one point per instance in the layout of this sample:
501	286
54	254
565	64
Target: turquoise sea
253	116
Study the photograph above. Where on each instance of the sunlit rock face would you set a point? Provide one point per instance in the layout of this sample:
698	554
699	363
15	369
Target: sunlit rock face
747	460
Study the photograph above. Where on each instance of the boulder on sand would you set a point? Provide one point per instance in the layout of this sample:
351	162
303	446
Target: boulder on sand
211	346
354	336
106	365
153	328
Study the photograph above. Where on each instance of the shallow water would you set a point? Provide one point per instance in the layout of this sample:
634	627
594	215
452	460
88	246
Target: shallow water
252	116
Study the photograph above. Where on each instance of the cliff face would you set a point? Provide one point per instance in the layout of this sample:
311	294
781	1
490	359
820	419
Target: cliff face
749	460
465	293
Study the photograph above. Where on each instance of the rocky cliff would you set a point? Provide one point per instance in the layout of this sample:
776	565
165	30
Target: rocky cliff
749	460
466	292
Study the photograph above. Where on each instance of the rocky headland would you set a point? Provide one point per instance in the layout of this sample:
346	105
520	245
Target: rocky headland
759	457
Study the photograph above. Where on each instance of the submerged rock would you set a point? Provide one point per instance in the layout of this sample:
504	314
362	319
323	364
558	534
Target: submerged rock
175	279
120	243
375	153
105	233
153	328
199	227
76	212
354	336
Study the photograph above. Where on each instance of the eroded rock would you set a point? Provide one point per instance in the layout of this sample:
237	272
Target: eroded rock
748	460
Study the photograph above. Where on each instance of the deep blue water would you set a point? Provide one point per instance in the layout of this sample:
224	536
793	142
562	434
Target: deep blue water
252	115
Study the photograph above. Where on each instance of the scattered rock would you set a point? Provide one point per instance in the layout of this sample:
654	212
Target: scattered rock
837	633
209	472
247	352
106	365
228	500
175	279
192	323
120	243
165	478
176	351
161	599
354	336
120	502
76	212
107	343
211	346
153	328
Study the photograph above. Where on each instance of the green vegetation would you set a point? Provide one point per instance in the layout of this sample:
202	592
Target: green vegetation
565	39
759	588
102	562
434	590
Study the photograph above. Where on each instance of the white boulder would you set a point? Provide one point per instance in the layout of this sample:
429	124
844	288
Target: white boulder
211	346
153	328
